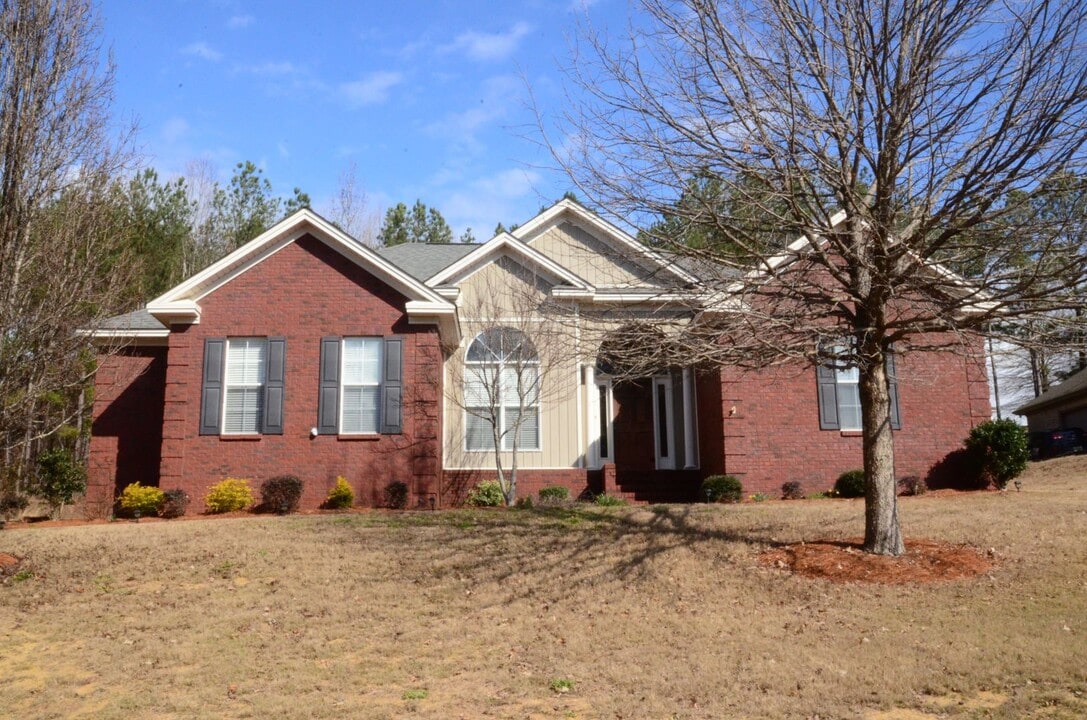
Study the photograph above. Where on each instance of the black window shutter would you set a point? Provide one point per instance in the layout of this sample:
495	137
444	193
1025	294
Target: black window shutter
328	397
211	393
274	374
828	398
892	390
392	421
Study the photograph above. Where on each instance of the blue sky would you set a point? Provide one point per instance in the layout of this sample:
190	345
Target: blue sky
428	100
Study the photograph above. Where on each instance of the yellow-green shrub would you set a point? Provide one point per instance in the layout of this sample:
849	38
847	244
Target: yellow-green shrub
228	495
141	499
341	495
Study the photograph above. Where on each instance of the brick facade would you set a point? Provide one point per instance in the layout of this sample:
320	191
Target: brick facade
303	292
770	421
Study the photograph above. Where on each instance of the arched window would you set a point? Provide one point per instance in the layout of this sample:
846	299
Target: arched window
501	391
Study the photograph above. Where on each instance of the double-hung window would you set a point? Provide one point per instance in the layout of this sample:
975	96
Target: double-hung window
243	381
361	384
840	398
360	391
501	391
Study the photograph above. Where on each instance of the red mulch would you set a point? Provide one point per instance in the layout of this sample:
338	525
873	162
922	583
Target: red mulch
925	561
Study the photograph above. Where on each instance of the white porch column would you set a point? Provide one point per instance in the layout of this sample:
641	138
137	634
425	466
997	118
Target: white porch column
592	429
688	421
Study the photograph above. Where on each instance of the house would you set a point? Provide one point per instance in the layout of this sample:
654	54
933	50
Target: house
304	352
1061	406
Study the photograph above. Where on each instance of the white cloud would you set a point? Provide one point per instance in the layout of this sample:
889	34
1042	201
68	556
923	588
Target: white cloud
372	89
240	21
284	152
203	51
270	69
484	202
489	46
496	96
175	129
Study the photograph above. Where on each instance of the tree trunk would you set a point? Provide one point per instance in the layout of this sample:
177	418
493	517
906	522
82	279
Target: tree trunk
882	533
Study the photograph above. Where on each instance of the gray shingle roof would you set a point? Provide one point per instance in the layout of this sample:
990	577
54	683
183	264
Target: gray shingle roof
1074	385
135	320
424	260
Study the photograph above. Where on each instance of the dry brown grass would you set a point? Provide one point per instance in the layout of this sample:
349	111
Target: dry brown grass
650	613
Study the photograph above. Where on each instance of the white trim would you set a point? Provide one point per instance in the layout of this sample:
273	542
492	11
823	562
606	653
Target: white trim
179	304
140	337
458	271
664	462
380	384
605	229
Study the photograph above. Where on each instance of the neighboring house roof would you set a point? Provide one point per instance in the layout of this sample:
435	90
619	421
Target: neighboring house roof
1075	386
424	260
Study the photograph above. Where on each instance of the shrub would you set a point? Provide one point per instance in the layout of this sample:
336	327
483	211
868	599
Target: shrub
487	494
175	502
228	495
792	491
340	496
912	485
396	495
523	503
722	489
281	494
60	477
554	495
1000	450
141	500
850	484
605	500
14	503
759	497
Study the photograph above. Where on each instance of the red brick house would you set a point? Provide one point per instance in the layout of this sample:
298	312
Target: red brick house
306	353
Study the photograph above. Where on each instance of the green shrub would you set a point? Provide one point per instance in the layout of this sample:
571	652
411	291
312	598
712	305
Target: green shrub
912	485
1000	449
340	496
487	494
523	503
722	489
12	504
141	500
760	497
605	500
228	495
60	477
280	494
554	495
175	502
850	484
792	491
396	495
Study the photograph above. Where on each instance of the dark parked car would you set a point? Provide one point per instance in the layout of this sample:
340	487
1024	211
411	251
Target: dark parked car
1056	443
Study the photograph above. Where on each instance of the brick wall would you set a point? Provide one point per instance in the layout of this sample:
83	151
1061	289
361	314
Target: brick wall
304	292
126	434
774	436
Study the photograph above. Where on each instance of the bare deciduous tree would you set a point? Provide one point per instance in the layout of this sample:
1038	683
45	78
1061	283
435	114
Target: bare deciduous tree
517	357
901	138
351	211
61	267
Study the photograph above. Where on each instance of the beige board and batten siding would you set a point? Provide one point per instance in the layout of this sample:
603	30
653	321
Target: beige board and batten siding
504	293
601	264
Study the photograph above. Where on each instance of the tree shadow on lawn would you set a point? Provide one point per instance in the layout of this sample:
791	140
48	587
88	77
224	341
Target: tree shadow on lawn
517	548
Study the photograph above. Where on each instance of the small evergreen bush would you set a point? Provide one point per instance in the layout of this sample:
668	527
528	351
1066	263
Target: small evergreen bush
487	494
850	484
396	495
60	478
722	489
228	495
554	495
605	500
341	495
141	500
281	494
175	502
912	485
1000	450
12	504
792	491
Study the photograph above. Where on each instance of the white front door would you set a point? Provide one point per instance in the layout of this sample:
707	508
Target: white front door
664	434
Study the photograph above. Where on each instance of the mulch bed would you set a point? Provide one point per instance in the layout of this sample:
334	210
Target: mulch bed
925	561
8	564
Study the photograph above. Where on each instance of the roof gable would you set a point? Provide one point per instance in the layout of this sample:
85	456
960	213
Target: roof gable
181	303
